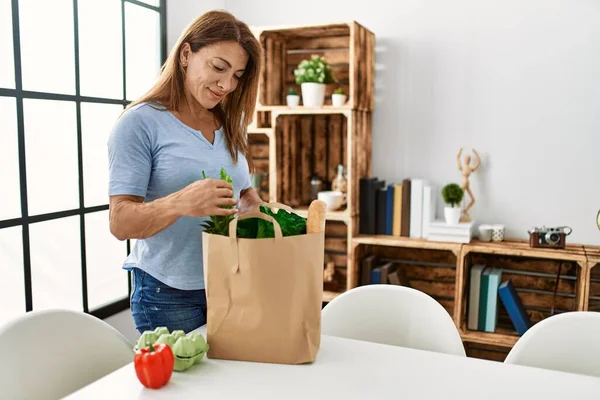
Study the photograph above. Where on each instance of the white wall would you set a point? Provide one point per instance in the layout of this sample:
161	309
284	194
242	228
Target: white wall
181	12
516	80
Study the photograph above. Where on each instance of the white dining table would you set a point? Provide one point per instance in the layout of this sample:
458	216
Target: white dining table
352	369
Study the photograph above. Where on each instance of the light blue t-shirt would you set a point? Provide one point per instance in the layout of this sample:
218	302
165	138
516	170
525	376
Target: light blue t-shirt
153	154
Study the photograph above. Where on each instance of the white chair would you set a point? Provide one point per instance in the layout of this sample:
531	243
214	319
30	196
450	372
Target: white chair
49	354
568	342
394	315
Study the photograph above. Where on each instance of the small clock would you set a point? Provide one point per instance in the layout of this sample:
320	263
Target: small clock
598	219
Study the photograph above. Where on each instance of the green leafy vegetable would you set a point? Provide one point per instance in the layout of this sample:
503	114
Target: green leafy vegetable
219	224
255	228
291	224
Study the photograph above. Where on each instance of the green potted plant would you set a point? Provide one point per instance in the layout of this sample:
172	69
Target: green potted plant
452	194
292	98
338	98
312	75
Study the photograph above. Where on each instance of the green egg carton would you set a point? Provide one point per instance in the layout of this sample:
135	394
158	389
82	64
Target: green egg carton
187	349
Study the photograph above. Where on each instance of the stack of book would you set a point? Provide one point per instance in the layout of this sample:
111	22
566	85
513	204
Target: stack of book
403	208
486	292
440	231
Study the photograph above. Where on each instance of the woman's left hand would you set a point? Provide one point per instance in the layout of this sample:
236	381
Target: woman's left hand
249	201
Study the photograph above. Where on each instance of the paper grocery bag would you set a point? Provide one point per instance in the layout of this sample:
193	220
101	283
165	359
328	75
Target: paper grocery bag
264	296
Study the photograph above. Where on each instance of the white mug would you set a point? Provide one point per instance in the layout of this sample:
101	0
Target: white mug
497	233
485	233
333	199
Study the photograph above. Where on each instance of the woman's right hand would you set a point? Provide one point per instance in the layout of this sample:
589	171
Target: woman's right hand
206	197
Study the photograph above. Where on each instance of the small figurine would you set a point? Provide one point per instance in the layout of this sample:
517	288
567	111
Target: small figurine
329	271
340	183
466	170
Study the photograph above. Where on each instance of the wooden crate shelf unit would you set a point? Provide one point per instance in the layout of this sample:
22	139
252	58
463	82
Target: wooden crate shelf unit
348	46
306	142
548	281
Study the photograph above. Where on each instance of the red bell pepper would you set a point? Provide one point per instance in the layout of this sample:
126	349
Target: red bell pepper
154	365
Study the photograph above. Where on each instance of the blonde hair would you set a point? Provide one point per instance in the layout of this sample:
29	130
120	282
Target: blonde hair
236	110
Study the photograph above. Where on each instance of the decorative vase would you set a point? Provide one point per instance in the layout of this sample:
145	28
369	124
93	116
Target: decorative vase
338	100
313	94
293	100
452	215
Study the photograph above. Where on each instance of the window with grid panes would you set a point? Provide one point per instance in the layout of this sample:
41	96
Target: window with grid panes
69	68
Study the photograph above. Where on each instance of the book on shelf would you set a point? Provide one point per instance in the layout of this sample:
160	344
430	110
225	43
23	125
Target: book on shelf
514	307
384	207
474	293
381	210
486	292
483	288
441	231
368	192
416	208
365	204
380	271
442	227
397	210
367	265
406	208
429	206
405	212
488	299
399	277
379	274
389	209
491	317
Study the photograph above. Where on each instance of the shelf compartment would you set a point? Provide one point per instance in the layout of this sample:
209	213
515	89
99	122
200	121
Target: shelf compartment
348	47
308	145
534	279
432	271
314	145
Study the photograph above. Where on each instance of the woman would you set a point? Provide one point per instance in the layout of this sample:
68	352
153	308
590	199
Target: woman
192	121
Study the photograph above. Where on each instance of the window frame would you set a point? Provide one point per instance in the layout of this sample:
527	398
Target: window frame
19	95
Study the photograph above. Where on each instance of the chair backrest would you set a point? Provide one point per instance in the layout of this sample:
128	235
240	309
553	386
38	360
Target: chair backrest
49	354
394	315
568	342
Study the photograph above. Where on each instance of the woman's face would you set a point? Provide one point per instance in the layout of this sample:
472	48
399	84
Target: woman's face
213	71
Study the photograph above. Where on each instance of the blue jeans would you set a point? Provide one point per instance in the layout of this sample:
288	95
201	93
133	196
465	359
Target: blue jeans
155	304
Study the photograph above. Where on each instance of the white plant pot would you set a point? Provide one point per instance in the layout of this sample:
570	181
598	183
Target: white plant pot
313	94
293	100
338	100
452	215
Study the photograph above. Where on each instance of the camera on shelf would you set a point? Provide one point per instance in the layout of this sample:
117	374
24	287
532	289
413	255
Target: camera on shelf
553	237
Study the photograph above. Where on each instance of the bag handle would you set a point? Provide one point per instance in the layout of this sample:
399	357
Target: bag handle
282	206
254	214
